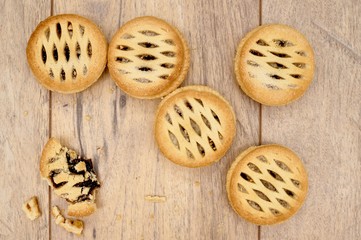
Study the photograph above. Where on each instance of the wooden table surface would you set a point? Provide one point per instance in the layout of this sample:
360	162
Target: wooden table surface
116	131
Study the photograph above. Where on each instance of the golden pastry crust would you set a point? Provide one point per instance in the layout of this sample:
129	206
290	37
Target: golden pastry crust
148	58
51	148
69	181
31	208
67	53
274	64
267	184
81	209
74	226
194	126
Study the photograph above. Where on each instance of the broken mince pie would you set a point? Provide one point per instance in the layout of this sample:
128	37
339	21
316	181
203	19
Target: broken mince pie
71	176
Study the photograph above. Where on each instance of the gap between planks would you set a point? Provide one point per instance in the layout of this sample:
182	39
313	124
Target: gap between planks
260	105
50	135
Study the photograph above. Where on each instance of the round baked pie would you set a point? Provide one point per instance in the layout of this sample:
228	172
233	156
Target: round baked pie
194	126
267	184
67	53
274	64
148	58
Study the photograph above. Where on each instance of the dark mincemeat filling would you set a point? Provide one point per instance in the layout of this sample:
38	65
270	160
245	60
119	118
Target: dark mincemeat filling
52	175
88	183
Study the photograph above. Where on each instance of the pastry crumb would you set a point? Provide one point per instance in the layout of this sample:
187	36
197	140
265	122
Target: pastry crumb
119	217
100	150
88	118
220	227
31	208
197	183
26	113
71	225
155	198
111	90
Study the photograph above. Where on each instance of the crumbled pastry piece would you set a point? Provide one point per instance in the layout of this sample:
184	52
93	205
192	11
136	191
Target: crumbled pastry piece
31	208
155	199
71	177
71	225
55	211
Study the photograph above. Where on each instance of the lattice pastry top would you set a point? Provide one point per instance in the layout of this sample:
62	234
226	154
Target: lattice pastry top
72	177
274	64
195	126
67	53
148	58
267	184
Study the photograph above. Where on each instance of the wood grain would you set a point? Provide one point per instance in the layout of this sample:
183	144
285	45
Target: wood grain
128	161
116	131
24	115
323	127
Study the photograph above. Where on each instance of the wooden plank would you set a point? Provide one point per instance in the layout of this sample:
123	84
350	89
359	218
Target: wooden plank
117	131
85	121
324	126
24	117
